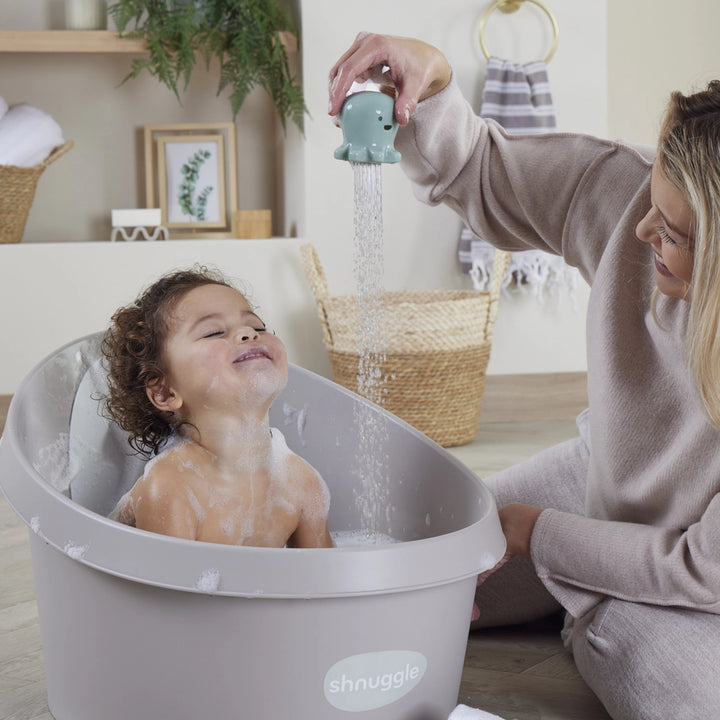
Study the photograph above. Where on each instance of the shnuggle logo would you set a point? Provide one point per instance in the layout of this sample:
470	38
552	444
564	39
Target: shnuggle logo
373	680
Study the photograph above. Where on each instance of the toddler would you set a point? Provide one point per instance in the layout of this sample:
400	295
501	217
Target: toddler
192	372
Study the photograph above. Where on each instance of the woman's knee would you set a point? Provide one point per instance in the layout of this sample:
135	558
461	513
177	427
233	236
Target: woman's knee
648	662
555	477
512	595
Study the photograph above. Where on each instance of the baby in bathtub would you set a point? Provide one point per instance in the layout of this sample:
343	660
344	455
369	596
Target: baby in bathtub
192	372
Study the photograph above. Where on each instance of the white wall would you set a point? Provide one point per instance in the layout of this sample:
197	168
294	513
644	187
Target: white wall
655	47
53	293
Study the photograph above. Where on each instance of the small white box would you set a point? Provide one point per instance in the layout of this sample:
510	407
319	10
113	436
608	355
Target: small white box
147	217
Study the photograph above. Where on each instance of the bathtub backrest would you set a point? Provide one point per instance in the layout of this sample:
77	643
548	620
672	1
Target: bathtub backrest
102	466
57	422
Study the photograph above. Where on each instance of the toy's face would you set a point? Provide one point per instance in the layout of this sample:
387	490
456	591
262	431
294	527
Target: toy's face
369	128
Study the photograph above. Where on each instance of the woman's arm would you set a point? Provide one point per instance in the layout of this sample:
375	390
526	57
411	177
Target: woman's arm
563	193
580	560
518	522
560	192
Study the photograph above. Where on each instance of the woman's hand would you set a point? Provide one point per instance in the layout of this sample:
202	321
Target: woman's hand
416	71
518	522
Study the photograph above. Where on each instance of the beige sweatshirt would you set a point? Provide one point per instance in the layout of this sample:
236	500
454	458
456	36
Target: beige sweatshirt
651	532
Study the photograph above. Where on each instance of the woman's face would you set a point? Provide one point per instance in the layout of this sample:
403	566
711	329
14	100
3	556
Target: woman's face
668	229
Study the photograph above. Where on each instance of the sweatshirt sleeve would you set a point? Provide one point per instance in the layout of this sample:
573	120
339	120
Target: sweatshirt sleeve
554	192
582	560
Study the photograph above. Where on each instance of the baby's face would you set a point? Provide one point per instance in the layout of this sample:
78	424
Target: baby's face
219	354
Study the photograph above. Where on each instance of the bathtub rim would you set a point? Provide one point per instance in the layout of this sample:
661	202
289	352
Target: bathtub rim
178	564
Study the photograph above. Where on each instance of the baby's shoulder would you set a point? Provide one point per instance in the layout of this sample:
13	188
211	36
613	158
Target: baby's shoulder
305	478
181	454
312	492
172	467
299	470
301	465
163	497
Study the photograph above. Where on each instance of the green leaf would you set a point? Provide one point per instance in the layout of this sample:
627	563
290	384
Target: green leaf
243	35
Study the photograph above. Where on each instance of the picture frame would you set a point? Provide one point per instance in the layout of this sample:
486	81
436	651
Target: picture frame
191	175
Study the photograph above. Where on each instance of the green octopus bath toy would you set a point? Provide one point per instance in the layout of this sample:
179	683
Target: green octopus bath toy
369	128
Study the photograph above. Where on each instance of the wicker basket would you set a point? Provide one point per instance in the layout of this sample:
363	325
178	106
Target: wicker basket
435	357
17	192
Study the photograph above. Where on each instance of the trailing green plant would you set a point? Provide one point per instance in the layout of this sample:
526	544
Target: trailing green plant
243	35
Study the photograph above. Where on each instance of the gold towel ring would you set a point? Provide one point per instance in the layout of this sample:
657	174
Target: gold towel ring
509	6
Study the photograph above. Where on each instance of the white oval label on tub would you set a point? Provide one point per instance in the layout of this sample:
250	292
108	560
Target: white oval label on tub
373	680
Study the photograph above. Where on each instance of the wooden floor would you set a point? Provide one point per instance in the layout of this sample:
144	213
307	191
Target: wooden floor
521	672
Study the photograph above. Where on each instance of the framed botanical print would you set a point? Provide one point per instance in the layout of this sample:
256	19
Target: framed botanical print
191	175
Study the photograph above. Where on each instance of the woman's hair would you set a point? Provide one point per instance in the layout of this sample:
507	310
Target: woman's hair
133	350
689	157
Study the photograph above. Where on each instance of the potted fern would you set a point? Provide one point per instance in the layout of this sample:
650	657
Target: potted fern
245	36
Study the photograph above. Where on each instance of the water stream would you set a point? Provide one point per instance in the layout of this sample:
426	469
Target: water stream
372	455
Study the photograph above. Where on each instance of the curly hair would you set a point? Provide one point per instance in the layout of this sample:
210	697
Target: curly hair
133	351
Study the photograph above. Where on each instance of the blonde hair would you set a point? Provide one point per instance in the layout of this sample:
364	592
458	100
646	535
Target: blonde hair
689	157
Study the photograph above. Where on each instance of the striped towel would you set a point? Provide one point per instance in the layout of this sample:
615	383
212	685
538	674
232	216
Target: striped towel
518	97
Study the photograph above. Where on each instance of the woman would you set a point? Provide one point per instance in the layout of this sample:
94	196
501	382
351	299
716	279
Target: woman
621	526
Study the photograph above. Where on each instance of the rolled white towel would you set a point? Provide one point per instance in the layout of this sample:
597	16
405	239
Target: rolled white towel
27	136
463	712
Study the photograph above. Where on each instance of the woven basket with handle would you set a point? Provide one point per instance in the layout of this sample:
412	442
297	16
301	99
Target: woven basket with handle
435	354
17	192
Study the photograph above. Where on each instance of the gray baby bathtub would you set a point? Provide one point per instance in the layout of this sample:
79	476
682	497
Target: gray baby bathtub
143	626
